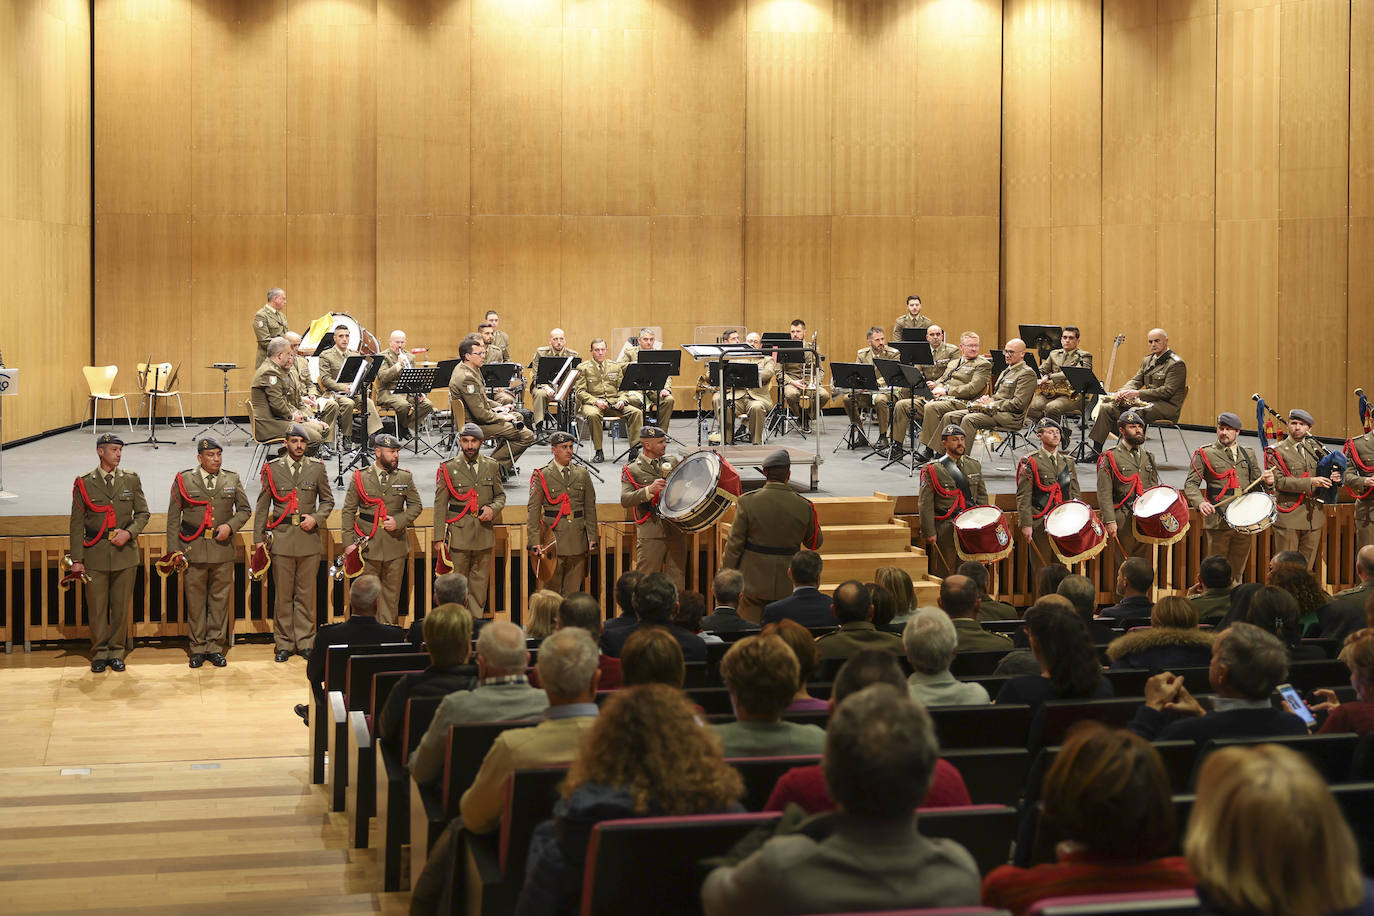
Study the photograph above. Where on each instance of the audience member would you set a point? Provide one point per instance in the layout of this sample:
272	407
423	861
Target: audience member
1358	715
959	599
1069	667
805	786
1172	640
624	602
652	656
880	754
1214	584
1134	579
1299	582
806	605
450	588
884	605
448	640
1240	603
760	672
930	642
543	613
1291	557
989	608
362	628
646	756
1346	612
1082	594
803	646
1247	664
852	605
502	694
1275	610
1048	578
728	586
582	610
567	669
1266	838
897	581
1106	817
655	603
691	610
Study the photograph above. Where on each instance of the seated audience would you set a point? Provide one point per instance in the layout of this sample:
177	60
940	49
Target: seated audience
728	586
852	605
1082	594
884	605
1275	610
806	605
1172	640
450	588
930	642
880	752
1311	598
1048	578
897	581
360	629
1213	589
448	640
959	599
989	608
1358	715
582	610
1069	667
646	756
624	602
805	786
1106	819
543	614
502	694
1266	838
655	603
760	672
1134	579
652	656
803	646
567	669
1240	603
691	610
1247	664
1347	611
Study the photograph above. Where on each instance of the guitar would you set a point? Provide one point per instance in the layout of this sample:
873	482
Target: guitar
1111	367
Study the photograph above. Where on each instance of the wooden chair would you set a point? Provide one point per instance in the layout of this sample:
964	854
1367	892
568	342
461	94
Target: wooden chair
393	789
261	446
100	381
495	862
1054	718
335	671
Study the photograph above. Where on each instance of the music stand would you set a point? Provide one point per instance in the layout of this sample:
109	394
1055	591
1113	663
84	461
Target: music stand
648	377
1082	381
856	377
156	371
911	335
891	371
552	371
443	376
225	420
785	352
414	383
357	374
916	381
1041	337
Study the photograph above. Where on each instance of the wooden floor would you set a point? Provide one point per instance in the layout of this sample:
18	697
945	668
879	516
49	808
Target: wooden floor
164	789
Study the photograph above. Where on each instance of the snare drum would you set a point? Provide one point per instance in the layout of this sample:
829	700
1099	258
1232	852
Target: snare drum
1250	513
1161	516
1075	532
982	533
698	491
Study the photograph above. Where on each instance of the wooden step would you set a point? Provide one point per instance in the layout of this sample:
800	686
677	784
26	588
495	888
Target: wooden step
862	566
853	510
927	590
891	535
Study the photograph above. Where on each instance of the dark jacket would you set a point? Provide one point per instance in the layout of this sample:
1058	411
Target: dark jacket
432	682
1033	689
1154	725
727	620
806	605
693	646
355	631
1130	606
1162	649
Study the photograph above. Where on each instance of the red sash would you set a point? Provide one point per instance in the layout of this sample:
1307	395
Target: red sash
377	504
1134	485
1056	493
467	500
1283	466
1229	480
814	541
634	510
934	479
107	523
289	503
563	502
1367	469
186	500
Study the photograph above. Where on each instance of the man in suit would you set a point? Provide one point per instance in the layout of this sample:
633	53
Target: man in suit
727	586
656	601
1220	470
1161	381
1045	403
360	629
542	394
965	378
806	605
1301	514
276	402
207	506
660	545
854	610
599	396
949	485
1045	480
108	513
771	524
562	511
959	599
331	362
496	422
468	499
1134	579
269	322
381	504
294	505
1123	473
582	610
1359	483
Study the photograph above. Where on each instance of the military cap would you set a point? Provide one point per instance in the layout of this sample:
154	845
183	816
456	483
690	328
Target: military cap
471	431
1131	416
108	439
208	444
1297	413
296	431
385	440
778	459
952	429
1045	423
1229	420
560	437
651	432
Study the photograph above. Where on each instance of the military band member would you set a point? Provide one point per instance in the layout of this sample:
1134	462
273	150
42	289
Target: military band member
880	401
269	322
331	363
1220	470
1006	407
752	404
1301	513
599	396
294	506
207	506
541	394
495	352
1045	479
795	374
499	337
1050	399
108	513
1359	483
941	353
965	378
496	422
276	402
1123	473
660	545
313	403
912	319
381	504
665	397
1162	382
949	485
468	499
396	358
562	511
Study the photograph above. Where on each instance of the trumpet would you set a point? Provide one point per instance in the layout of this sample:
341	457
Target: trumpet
68	578
1133	403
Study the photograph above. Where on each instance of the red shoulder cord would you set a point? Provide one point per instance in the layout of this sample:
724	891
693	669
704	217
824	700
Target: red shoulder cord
108	523
814	541
563	502
1229	480
289	503
188	501
467	500
956	494
1134	485
1283	466
634	510
1368	469
1056	492
378	505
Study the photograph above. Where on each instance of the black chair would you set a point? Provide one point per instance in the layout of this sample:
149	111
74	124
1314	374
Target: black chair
1008	627
1330	645
973	664
761	774
1362	761
986	831
1054	718
1128	682
715	701
697	674
335	674
981	726
1331	755
1308	676
496	861
993	775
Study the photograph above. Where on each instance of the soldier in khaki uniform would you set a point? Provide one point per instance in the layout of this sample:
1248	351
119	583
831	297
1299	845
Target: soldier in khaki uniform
1010	399
912	319
313	402
294	505
396	358
108	513
1045	479
1359	483
542	394
793	373
1123	473
562	511
269	322
1162	381
1217	471
880	401
207	506
1052	375
949	485
1301	514
496	353
660	545
498	337
599	395
468	499
964	379
496	422
665	397
752	404
771	524
331	363
381	504
276	404
941	352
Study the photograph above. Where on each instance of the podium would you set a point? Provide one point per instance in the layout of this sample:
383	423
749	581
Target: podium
9	387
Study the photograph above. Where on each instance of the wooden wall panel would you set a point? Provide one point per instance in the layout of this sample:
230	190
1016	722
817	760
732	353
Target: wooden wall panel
788	116
605	274
873	266
787	272
331	265
696	274
422	281
956	273
1025	175
1076	114
516	270
1360	311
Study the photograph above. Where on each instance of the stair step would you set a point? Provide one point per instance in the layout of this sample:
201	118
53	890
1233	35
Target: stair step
891	535
863	510
862	566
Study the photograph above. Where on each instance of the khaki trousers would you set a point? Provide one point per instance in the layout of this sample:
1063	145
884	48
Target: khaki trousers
293	614
1297	539
879	401
1364	522
665	555
1227	542
568	574
390	572
208	588
1055	407
632	415
475	566
107	611
1125	533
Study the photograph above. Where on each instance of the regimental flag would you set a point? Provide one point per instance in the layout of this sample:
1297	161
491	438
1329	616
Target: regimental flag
1366	410
1264	425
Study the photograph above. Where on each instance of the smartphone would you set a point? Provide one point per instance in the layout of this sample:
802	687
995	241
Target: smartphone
1295	703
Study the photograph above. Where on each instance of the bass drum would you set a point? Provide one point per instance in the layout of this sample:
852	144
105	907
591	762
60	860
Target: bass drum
360	338
698	491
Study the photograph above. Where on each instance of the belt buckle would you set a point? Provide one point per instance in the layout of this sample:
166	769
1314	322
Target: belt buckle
210	532
295	518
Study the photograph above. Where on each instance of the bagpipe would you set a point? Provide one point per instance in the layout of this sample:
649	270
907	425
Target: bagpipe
1328	460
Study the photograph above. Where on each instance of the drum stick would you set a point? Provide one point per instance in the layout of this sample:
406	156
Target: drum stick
944	559
1221	502
1038	555
1119	549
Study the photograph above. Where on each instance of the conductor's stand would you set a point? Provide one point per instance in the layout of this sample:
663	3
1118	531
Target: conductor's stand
856	377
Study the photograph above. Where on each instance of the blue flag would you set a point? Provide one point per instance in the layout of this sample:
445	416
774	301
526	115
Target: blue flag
1261	417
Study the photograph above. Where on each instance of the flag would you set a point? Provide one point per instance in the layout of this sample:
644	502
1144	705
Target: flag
1366	411
1264	425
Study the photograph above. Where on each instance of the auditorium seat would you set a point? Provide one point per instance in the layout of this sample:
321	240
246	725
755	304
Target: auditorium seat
992	775
981	726
393	789
761	774
495	862
361	795
1145	903
972	664
1331	755
986	831
357	695
1327	672
1054	718
335	674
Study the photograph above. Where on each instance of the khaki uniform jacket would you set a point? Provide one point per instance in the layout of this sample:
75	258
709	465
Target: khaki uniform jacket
966	379
1110	491
390	373
1054	364
600	380
331	361
1162	381
634	494
548	351
767	370
1048	467
855	636
628	354
866	355
467	533
501	340
1203	485
229	505
576	529
1298	508
402	502
943	354
313	497
301	375
1013	394
780	521
932	504
1353	479
275	401
906	321
794	370
466	386
268	323
131	514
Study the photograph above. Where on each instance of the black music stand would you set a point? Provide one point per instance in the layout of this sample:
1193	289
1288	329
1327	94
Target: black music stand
225	420
552	371
502	375
415	383
856	377
670	358
648	377
151	393
911	335
891	372
914	352
1084	383
785	352
356	374
1042	338
741	375
916	381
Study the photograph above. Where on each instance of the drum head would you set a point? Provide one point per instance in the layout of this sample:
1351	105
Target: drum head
978	517
1248	509
691	482
1067	518
1155	500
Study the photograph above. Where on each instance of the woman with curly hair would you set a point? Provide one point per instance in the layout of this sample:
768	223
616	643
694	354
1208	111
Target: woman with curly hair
647	756
1358	715
1069	666
1299	582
